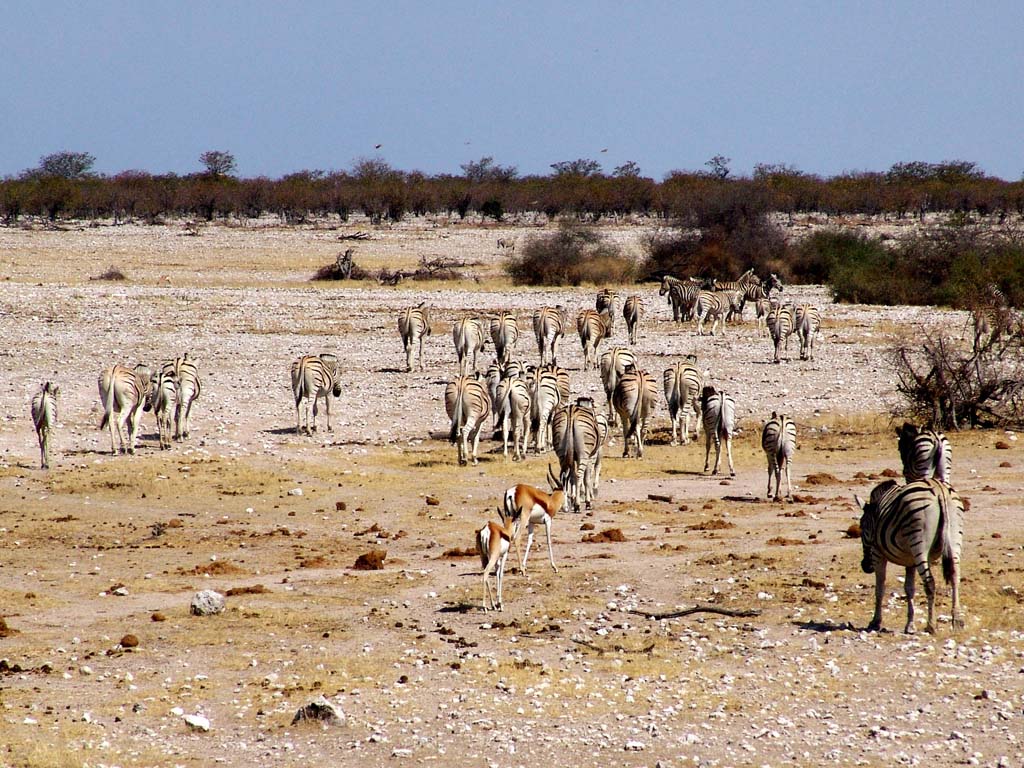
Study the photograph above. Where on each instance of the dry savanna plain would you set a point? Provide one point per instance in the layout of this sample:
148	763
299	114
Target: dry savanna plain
101	663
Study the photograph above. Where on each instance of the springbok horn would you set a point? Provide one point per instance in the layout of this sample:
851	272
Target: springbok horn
555	485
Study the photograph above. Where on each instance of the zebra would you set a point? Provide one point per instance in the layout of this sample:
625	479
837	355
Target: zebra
778	439
925	453
634	399
468	335
414	326
313	377
545	398
548	326
719	414
605	304
187	390
468	406
123	393
513	405
162	398
683	383
714	306
806	322
44	418
761	309
614	363
593	327
682	296
505	334
780	326
632	312
913	525
577	442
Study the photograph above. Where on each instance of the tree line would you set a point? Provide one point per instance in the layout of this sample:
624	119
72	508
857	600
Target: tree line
63	186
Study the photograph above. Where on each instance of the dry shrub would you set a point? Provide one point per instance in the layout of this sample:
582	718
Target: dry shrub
606	536
217	568
113	274
371	561
343	268
573	255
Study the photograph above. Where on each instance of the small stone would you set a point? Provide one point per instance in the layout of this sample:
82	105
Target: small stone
198	722
157	616
371	561
295	492
120	591
207	603
635	746
129	641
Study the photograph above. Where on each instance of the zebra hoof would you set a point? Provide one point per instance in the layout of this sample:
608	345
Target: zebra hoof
875	625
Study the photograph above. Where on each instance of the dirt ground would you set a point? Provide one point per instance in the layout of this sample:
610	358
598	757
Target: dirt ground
101	547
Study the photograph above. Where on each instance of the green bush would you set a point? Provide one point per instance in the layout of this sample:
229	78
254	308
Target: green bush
571	256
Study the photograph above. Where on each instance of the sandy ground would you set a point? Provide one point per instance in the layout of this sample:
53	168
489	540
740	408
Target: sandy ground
103	546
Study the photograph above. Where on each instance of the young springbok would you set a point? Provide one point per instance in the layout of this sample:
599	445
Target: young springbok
492	543
536	507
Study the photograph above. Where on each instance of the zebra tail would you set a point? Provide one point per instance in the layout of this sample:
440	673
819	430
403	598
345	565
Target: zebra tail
945	531
108	404
453	433
634	417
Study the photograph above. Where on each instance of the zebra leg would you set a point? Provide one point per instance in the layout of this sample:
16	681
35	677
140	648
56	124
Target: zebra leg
316	410
475	437
707	450
789	483
728	453
327	410
909	590
44	447
408	354
188	413
929	590
876	620
770	473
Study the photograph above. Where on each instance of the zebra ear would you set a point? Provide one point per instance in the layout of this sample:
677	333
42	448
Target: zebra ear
775	415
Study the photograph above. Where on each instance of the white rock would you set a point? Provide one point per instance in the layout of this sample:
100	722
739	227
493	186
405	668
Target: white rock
207	603
197	722
635	746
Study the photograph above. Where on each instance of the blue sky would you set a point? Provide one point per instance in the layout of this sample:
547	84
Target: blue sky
827	87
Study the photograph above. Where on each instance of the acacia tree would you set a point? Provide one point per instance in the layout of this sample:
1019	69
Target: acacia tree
218	163
66	165
485	169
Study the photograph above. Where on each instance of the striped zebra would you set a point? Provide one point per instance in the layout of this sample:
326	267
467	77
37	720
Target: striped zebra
719	414
162	398
468	335
925	453
806	322
614	363
123	393
44	419
780	326
577	443
593	327
313	377
561	379
632	312
913	525
549	325
414	326
513	406
505	334
714	306
468	405
778	439
761	309
545	398
682	296
188	387
634	399
605	304
683	384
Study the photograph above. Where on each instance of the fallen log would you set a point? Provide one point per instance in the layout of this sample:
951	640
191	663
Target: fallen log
742	613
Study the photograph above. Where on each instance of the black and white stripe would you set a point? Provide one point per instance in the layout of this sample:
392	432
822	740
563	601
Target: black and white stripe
925	453
414	326
545	398
681	295
605	304
614	363
578	440
780	327
468	335
593	327
913	525
123	393
549	325
313	377
713	306
188	387
512	405
162	397
806	323
468	406
632	313
505	335
778	439
44	419
682	384
634	399
719	414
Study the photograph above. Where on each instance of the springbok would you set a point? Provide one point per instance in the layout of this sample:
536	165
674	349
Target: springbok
492	543
524	502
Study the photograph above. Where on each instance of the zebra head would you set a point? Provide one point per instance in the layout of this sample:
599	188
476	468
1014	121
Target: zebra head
773	283
706	394
868	519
